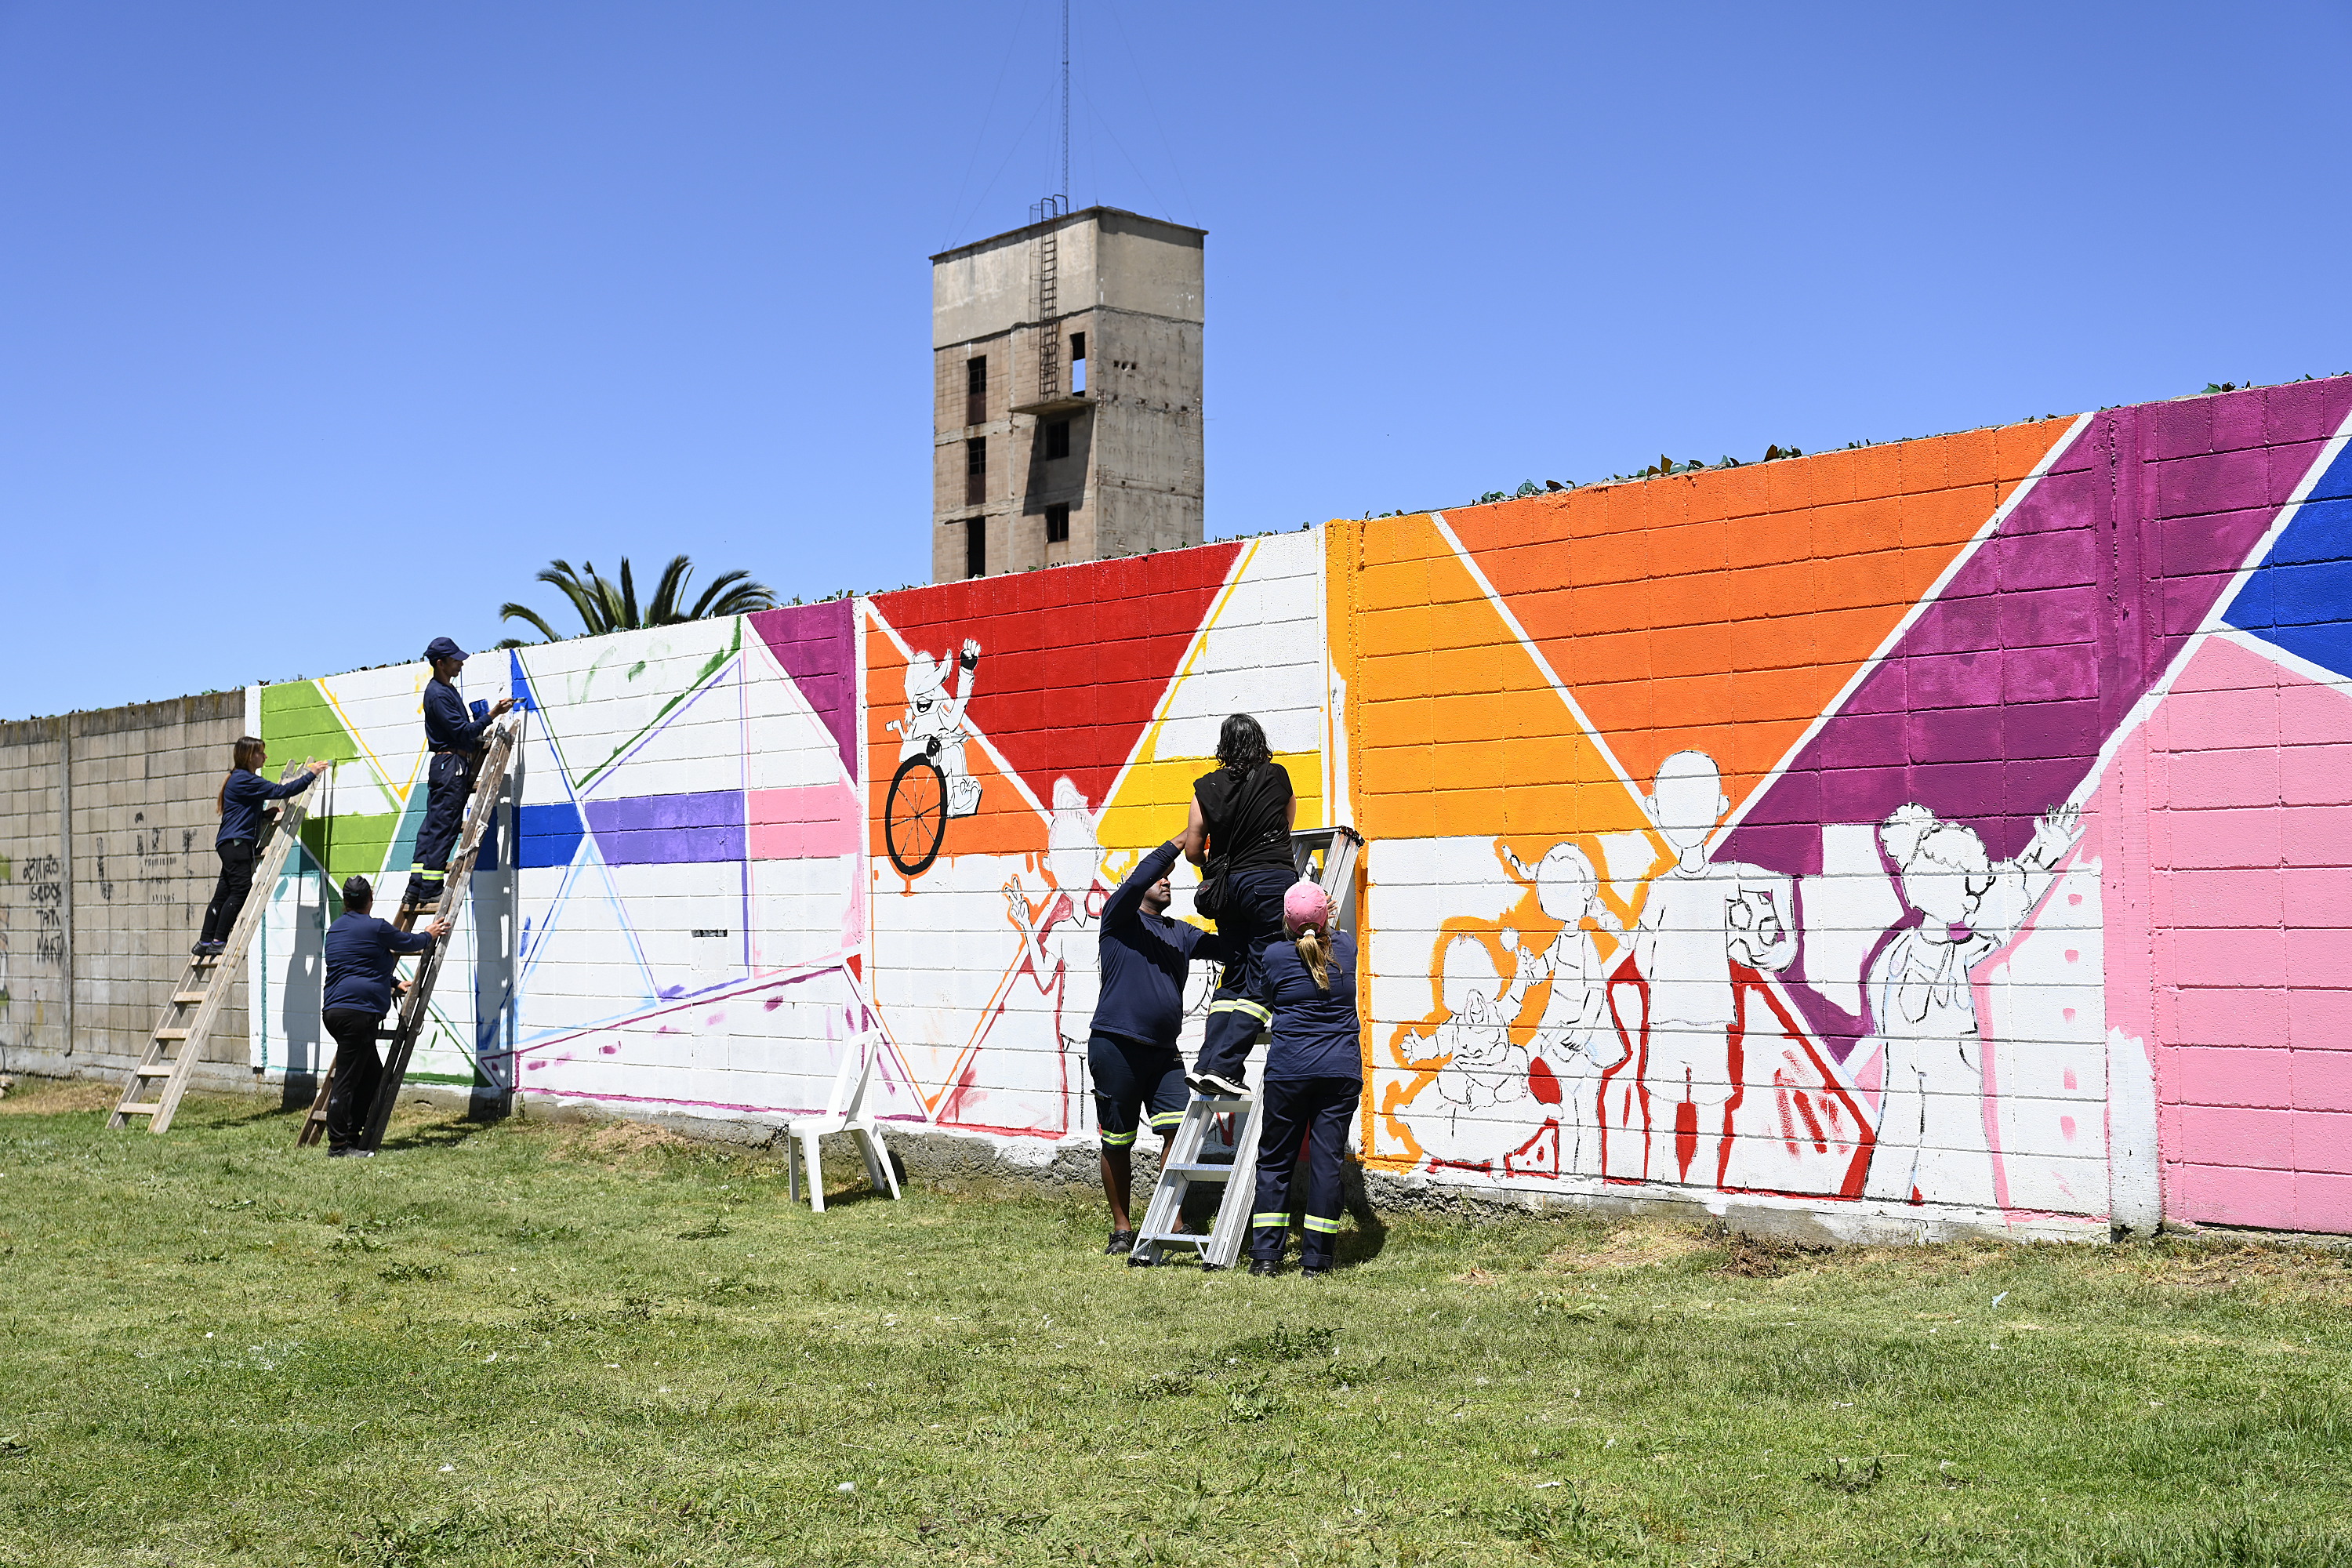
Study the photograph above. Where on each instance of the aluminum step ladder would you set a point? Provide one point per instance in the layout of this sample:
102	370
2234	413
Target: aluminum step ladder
1216	1144
178	1040
409	1023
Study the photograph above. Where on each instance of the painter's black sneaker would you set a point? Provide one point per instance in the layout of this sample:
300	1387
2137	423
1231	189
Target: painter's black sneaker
1120	1241
351	1153
1217	1086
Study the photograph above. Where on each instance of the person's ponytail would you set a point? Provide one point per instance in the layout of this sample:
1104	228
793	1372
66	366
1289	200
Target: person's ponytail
1315	951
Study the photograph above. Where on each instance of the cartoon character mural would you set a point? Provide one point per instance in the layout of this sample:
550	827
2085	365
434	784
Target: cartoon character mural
1922	1005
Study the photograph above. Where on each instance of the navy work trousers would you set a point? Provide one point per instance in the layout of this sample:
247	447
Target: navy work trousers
1320	1111
1238	1013
358	1073
229	893
448	785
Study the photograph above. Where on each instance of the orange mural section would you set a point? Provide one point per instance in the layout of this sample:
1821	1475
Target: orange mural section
1723	611
1454	728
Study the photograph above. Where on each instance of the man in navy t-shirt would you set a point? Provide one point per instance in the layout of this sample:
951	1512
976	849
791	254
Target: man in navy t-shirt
362	952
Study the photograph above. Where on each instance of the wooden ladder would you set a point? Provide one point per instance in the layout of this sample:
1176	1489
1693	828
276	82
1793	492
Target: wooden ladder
178	1041
488	779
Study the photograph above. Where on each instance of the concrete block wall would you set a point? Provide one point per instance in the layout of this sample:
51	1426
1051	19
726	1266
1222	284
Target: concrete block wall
1930	837
130	889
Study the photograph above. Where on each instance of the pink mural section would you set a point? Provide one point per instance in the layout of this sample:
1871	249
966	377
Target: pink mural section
2249	770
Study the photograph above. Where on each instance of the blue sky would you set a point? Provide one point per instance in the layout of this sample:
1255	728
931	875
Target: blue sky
323	327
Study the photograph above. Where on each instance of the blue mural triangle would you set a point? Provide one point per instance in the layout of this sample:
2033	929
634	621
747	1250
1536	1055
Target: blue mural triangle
2300	597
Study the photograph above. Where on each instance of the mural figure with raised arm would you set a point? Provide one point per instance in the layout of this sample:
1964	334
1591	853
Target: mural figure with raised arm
1931	1117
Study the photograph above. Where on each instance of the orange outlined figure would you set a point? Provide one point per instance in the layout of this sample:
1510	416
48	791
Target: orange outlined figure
1699	918
1931	1140
1483	1071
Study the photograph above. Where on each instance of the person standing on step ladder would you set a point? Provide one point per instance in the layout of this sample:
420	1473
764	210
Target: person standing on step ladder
1239	831
1314	1081
454	736
362	952
1131	1042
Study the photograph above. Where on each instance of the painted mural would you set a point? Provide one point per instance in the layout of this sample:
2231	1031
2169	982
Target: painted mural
1944	832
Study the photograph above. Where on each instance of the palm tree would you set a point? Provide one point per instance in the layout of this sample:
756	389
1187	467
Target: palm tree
606	606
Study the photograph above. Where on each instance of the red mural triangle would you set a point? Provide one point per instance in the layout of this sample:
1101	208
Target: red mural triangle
1072	660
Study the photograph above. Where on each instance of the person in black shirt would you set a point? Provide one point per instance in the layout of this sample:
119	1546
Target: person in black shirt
454	738
362	952
1239	827
245	797
1314	1081
1131	1044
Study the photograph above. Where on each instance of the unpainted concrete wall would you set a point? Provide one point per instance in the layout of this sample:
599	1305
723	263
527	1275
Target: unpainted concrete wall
127	894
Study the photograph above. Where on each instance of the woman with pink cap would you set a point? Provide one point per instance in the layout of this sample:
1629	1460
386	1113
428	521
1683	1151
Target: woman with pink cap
1314	1081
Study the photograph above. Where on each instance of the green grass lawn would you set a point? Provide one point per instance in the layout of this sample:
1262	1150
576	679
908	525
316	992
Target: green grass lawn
536	1343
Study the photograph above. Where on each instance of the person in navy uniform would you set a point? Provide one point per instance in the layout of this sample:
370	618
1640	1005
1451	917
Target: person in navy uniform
1314	1081
1131	1044
454	736
361	953
245	797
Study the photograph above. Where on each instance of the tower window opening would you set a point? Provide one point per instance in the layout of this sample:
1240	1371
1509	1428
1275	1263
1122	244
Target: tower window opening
975	471
1058	525
975	390
975	547
1057	438
1077	362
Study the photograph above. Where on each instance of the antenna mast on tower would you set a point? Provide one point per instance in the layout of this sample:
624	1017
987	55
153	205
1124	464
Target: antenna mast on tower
1065	105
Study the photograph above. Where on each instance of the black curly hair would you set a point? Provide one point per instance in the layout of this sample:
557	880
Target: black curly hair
1240	744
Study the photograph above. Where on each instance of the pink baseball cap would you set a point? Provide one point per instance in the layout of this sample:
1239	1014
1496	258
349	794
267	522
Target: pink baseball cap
1304	906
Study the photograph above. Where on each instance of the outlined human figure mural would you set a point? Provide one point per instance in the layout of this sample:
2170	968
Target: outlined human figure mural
1572	1040
934	721
1931	1120
1458	1120
1699	917
1062	936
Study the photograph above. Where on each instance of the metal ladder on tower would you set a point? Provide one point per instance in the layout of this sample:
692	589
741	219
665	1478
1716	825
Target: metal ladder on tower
178	1039
1324	855
1049	308
400	1040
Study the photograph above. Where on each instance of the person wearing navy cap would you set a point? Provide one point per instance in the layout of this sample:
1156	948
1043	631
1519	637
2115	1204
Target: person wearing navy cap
454	736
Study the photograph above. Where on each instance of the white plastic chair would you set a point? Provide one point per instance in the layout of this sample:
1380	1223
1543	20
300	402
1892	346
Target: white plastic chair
845	1111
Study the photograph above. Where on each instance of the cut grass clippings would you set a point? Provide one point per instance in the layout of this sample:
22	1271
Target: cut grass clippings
533	1342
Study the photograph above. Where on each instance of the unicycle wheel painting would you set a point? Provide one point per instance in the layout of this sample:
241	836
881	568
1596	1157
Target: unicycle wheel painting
915	816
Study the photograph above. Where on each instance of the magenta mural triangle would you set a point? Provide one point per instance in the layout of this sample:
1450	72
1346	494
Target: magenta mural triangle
1993	704
814	645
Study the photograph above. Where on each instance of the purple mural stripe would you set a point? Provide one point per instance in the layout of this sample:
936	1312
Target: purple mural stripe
669	829
1992	707
817	646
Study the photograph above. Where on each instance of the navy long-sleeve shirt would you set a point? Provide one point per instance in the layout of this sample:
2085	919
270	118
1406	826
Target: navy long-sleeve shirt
1145	958
360	953
244	798
449	724
1315	1034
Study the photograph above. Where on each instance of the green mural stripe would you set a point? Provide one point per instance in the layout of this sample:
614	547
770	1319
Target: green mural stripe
297	722
348	845
718	662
